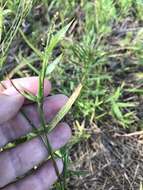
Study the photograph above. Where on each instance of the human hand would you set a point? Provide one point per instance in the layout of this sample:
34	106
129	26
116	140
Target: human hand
18	161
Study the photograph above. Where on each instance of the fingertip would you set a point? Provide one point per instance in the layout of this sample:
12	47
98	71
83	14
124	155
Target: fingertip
60	135
28	83
47	87
60	165
48	172
32	84
53	104
65	130
10	105
62	97
57	101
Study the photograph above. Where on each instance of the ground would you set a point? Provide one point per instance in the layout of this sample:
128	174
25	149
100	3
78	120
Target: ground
103	49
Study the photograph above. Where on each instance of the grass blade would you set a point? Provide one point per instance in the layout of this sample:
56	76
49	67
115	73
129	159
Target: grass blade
38	53
1	22
64	110
51	67
23	9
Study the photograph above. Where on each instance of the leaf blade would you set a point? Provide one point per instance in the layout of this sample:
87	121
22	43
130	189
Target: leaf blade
64	110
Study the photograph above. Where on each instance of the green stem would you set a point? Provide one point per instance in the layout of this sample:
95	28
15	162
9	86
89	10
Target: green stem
47	143
49	148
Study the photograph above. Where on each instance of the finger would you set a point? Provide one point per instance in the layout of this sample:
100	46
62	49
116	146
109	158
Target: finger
9	106
11	101
18	161
29	83
19	125
41	179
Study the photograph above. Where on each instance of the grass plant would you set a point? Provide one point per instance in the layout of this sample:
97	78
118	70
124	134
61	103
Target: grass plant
102	50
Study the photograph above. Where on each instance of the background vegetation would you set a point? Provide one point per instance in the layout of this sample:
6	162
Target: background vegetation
104	44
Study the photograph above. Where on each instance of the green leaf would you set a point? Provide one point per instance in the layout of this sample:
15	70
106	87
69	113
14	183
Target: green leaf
1	22
29	96
52	41
126	104
30	44
117	111
118	92
51	67
135	90
29	64
24	92
58	37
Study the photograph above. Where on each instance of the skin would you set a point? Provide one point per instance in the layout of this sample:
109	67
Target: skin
18	161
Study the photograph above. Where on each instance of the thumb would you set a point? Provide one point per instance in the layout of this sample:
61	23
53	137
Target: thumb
10	103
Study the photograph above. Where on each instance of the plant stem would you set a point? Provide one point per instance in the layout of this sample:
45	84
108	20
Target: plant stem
49	148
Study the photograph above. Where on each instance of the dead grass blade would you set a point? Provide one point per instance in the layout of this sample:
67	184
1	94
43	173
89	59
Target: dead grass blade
65	109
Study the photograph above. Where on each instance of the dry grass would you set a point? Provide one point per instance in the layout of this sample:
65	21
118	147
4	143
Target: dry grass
113	160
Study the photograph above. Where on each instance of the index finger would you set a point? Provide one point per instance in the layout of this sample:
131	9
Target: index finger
11	100
28	83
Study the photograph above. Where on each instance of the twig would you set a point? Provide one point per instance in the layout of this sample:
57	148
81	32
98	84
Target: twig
138	133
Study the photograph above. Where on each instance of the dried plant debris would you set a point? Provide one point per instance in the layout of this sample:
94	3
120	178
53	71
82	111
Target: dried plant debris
113	161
